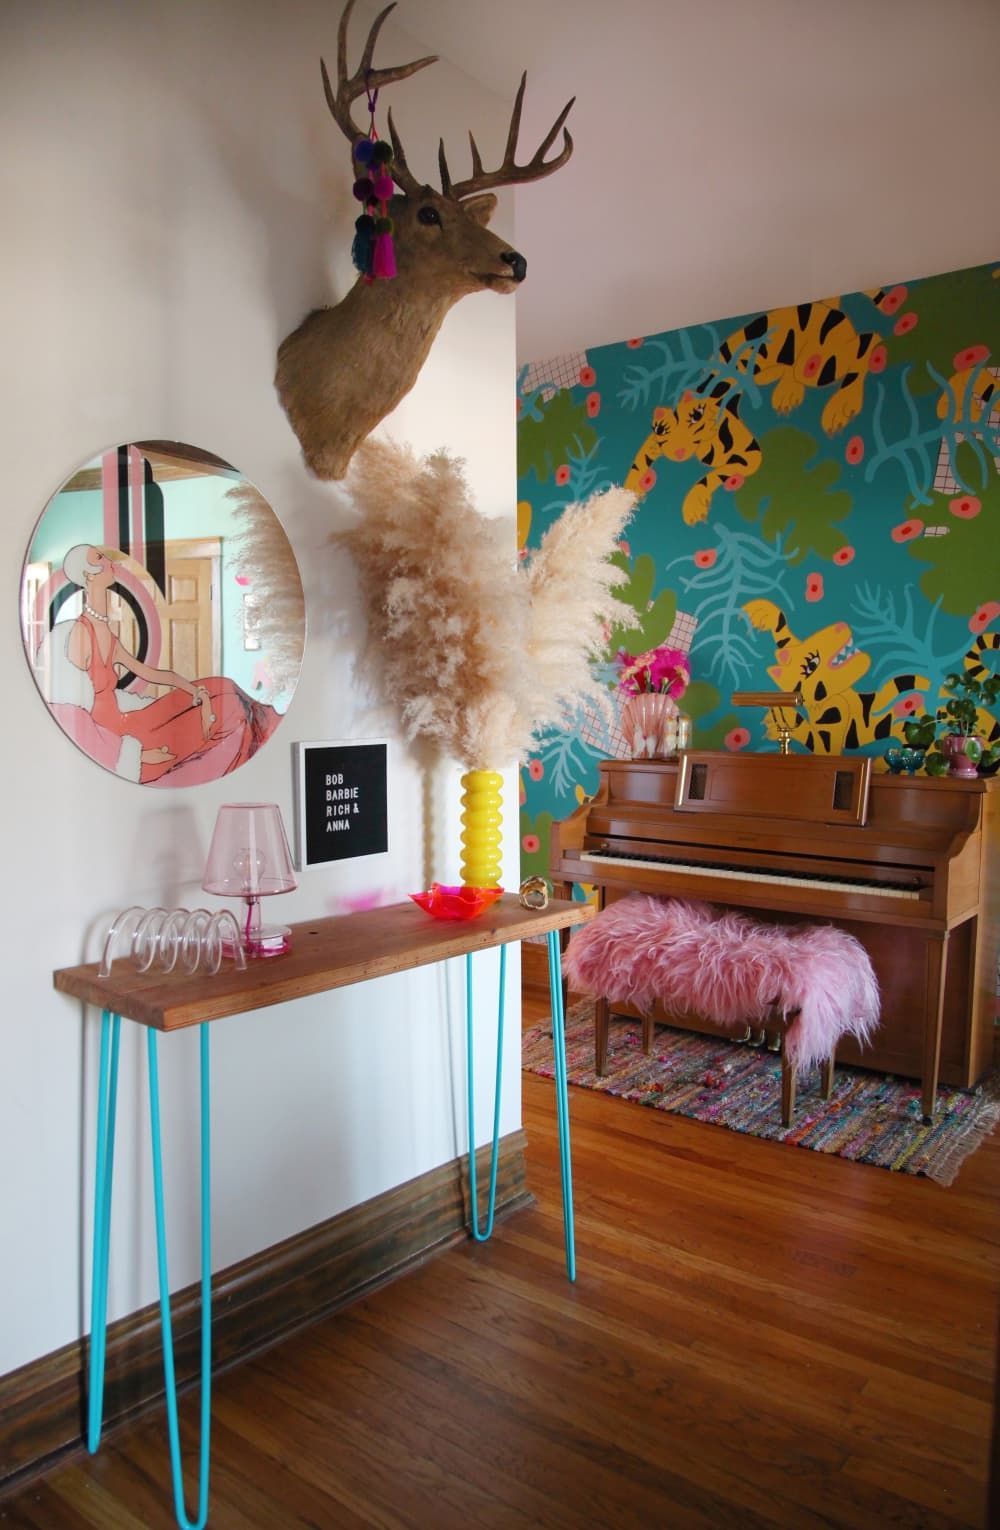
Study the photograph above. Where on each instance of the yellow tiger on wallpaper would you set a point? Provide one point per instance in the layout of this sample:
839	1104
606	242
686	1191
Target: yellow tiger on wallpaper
708	428
825	667
812	345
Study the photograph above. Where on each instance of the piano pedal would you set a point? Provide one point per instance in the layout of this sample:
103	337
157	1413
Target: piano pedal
754	1038
774	1042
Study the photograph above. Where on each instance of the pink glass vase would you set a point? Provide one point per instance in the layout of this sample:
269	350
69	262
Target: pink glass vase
963	753
648	722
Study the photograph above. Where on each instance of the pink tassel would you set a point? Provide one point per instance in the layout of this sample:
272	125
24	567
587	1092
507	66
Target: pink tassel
384	260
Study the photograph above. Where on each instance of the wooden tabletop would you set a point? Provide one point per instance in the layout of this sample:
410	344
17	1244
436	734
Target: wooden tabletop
326	953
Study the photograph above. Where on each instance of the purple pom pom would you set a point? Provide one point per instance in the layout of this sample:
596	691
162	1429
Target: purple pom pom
363	189
363	151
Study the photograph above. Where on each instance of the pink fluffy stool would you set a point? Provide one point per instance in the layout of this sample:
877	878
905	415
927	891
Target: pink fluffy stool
815	980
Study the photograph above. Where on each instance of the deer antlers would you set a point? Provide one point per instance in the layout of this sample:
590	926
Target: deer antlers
365	78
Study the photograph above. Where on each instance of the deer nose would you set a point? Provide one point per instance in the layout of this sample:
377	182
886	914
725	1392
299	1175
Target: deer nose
518	264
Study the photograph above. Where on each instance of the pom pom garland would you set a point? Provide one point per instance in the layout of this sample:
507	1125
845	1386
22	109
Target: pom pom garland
372	250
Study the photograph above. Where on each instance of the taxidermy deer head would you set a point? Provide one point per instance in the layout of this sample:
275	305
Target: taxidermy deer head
346	367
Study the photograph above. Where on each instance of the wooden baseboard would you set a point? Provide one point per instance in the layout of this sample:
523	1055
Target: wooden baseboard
254	1303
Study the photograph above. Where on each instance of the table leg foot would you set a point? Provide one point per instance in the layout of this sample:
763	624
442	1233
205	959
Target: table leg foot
481	1235
176	1470
107	1100
562	1099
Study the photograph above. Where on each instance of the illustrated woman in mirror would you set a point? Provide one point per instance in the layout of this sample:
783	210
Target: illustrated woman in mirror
199	730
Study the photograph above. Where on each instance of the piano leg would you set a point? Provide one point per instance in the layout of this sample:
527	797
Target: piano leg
826	1077
937	970
602	1019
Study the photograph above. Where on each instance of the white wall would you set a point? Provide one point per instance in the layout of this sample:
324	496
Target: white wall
175	199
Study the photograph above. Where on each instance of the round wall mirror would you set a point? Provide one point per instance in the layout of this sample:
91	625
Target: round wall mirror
162	614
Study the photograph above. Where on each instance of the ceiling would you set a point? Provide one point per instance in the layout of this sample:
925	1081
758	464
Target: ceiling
735	154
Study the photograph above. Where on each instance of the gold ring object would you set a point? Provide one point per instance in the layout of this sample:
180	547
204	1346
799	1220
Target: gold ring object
534	893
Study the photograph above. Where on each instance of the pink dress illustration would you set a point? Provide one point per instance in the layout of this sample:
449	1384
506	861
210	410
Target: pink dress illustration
174	725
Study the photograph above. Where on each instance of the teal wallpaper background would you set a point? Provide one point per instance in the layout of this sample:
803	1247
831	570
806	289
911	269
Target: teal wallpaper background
819	508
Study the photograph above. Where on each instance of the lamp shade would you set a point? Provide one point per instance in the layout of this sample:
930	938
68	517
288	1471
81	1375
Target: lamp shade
249	855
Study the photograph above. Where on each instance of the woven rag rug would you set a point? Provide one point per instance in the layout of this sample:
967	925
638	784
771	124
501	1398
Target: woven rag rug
870	1118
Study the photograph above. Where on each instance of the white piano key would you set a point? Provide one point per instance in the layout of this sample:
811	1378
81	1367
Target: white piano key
680	868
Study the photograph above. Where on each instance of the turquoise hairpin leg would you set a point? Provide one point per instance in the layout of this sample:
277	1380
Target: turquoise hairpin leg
562	1098
481	1236
107	1099
176	1471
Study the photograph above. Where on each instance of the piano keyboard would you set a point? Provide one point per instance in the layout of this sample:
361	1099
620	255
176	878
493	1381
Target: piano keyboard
749	874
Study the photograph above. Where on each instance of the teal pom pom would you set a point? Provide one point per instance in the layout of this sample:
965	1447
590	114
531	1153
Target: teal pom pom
363	248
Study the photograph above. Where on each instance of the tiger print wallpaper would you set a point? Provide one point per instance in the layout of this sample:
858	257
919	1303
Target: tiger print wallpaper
819	509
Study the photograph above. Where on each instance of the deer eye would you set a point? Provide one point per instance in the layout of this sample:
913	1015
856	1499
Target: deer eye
428	214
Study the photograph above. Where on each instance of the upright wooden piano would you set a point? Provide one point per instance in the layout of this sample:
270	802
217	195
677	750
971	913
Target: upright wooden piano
910	865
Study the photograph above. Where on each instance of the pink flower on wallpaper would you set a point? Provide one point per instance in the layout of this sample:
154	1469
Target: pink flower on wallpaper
536	770
588	376
593	405
878	359
812	366
634	343
894	299
855	449
530	844
903	325
562	474
647	480
907	530
737	738
970	357
814	587
906	706
733	482
844	555
986	613
966	508
705	557
624	548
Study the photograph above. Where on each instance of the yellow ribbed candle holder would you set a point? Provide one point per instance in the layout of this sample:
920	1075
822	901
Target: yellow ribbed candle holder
481	819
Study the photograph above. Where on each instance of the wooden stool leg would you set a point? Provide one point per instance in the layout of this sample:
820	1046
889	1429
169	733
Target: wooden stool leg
788	1081
602	1017
826	1068
648	1027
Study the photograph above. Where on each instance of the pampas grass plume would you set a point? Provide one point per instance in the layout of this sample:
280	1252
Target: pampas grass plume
263	555
476	655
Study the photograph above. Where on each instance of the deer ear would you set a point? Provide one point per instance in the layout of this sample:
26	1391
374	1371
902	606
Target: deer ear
480	209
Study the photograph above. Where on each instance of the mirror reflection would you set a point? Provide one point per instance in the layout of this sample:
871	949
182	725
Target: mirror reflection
162	614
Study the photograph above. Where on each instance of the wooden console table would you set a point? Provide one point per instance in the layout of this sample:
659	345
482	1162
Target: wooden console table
326	954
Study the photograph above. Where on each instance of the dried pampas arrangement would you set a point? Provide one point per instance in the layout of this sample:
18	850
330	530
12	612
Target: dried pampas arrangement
263	555
477	654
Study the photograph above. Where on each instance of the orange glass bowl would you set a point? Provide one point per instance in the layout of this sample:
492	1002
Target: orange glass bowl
456	902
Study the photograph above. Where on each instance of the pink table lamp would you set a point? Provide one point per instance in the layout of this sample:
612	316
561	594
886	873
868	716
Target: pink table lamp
249	858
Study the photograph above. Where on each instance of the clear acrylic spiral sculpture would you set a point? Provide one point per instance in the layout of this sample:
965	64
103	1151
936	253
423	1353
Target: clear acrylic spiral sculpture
176	938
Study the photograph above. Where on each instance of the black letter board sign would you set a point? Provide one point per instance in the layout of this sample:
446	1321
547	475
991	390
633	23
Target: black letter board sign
341	807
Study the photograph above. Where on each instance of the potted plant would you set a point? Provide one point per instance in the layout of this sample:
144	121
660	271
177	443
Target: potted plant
961	750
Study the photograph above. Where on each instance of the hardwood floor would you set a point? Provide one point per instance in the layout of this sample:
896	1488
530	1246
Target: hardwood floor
757	1337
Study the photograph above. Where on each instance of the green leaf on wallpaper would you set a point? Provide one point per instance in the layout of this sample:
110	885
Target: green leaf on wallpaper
544	445
792	494
656	615
961	566
535	835
951	313
699	700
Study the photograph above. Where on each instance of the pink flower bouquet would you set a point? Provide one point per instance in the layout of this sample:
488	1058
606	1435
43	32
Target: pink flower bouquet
663	671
